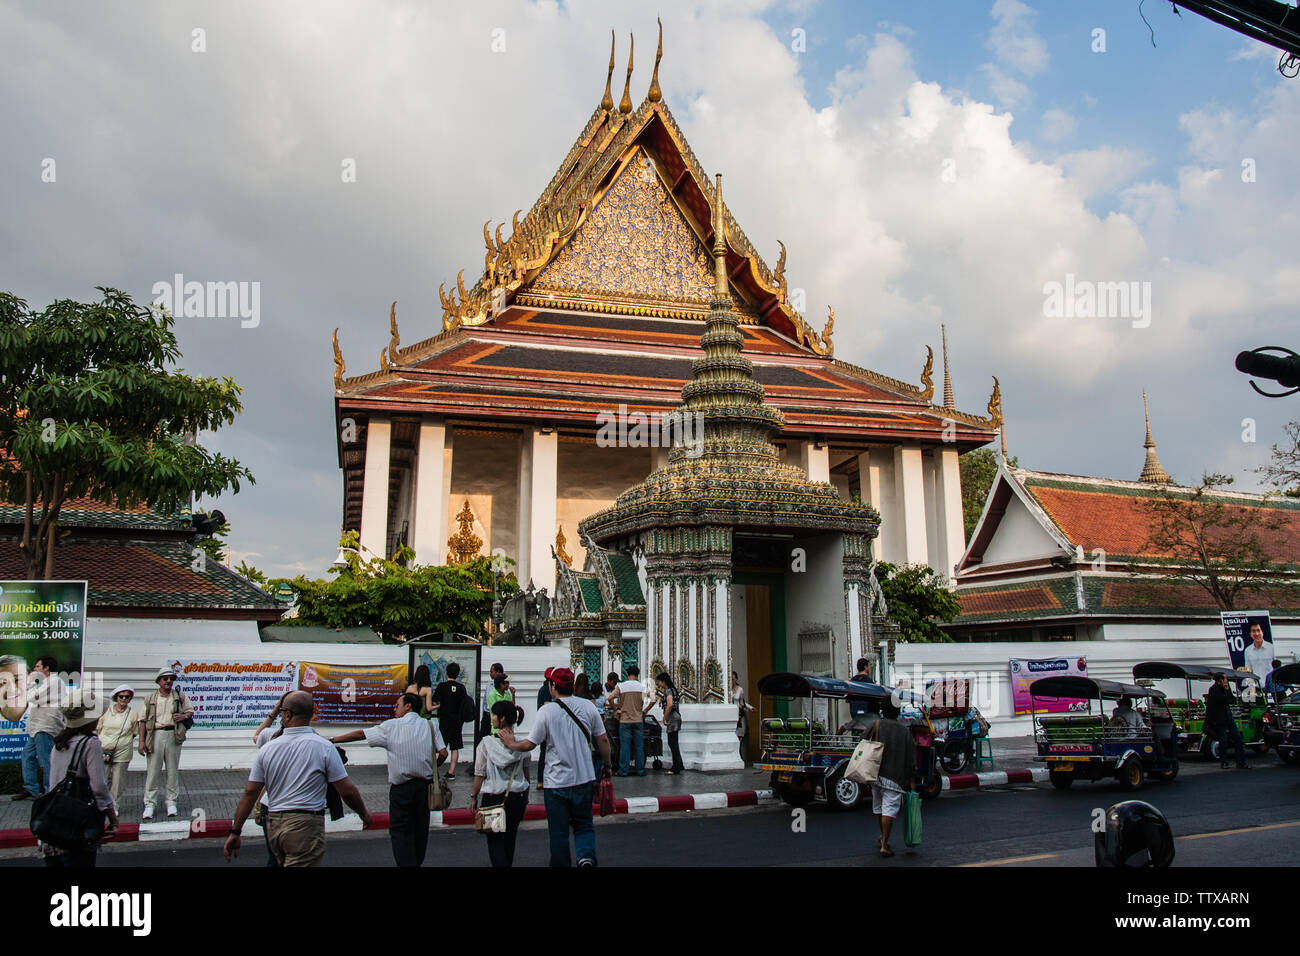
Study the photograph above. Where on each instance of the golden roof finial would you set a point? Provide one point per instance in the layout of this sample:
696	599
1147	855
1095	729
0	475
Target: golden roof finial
607	101
995	404
927	376
655	94
464	544
719	242
339	367
383	359
560	553
395	342
829	330
948	401
1152	471
625	104
779	275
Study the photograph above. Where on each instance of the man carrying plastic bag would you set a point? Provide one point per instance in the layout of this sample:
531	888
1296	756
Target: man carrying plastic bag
893	782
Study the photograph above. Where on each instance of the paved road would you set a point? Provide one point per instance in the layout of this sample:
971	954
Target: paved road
1221	818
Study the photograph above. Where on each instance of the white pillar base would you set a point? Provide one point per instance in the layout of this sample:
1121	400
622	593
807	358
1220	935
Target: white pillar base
708	739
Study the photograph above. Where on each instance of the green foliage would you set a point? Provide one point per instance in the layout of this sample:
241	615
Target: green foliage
396	599
253	575
214	546
978	469
918	601
92	405
1283	468
1215	543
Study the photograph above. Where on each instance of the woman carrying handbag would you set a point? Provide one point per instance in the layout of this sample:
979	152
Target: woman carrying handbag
501	778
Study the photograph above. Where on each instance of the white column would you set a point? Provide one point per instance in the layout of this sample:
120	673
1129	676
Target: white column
429	530
374	489
524	529
815	460
909	484
929	472
869	490
952	523
852	606
543	488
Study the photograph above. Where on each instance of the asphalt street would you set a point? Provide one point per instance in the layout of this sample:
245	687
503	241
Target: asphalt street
1221	818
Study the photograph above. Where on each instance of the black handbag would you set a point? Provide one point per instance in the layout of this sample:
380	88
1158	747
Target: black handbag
66	817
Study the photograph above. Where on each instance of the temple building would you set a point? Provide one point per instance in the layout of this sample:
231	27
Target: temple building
555	382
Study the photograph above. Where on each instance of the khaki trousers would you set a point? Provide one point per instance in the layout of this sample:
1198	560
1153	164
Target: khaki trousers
166	751
119	780
296	839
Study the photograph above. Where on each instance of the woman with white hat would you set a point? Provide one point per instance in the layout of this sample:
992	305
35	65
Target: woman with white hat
116	730
77	750
162	731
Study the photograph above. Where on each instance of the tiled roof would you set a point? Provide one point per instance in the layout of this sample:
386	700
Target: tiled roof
1116	516
625	576
1054	597
89	513
148	574
591	597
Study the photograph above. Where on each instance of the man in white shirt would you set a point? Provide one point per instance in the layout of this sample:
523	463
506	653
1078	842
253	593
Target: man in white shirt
568	729
1259	653
410	742
1125	716
295	769
44	722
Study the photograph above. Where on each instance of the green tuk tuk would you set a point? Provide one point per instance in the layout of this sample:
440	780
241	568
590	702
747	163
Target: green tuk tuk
1189	711
1282	718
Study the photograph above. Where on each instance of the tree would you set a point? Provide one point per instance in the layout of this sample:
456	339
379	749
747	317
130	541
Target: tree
1283	468
1214	542
92	406
918	601
978	470
395	598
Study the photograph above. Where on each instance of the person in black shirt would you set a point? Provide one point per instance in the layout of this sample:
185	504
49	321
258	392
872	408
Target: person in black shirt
864	713
447	702
1219	724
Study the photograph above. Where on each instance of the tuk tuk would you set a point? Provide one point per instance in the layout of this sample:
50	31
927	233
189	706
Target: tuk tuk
807	754
1082	745
1189	711
1282	716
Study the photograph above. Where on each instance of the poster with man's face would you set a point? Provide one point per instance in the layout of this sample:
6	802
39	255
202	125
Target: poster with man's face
1250	640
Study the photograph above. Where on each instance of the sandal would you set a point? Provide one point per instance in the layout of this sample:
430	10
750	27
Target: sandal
886	852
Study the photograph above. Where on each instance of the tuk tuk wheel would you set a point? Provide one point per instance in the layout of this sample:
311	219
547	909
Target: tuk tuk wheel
1213	752
1167	776
931	789
794	798
1061	779
1130	774
843	793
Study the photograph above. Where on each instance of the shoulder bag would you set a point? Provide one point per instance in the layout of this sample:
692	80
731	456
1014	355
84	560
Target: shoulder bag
439	791
864	765
180	727
605	785
67	817
493	819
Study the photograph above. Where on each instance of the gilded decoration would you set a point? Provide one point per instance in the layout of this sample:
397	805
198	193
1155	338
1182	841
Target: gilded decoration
560	542
995	404
713	681
339	367
686	680
635	244
464	545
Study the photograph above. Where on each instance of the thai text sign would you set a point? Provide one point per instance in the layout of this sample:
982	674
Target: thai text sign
352	693
37	619
1025	672
235	693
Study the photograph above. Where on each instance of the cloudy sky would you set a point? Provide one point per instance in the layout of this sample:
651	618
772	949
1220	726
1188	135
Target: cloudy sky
923	163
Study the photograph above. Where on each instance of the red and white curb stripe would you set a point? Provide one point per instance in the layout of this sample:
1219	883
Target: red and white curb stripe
967	781
460	817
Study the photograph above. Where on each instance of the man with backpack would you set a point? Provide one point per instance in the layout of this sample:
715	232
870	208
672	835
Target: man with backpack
168	715
454	708
570	728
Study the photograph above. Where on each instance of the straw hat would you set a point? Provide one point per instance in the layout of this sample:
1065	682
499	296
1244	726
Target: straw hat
163	672
123	689
79	707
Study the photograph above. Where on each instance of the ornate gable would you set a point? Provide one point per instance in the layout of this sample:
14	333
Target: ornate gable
634	246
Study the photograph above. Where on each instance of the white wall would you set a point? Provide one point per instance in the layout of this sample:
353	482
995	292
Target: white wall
131	650
1019	537
816	596
1109	659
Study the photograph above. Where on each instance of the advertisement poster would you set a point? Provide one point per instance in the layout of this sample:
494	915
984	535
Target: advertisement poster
352	693
1025	672
37	619
1250	640
436	657
234	693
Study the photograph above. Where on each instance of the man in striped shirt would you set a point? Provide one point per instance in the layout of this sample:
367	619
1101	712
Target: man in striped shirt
410	742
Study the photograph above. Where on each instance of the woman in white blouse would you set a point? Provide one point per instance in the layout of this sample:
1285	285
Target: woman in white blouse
501	776
116	730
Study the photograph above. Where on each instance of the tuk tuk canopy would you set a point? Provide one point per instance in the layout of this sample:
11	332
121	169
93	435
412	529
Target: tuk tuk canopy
1287	675
1089	688
1168	670
805	685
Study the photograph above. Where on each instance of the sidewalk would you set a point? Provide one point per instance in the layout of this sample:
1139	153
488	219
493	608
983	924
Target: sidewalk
215	793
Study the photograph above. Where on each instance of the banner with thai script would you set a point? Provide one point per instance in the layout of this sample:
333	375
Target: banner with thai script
1025	672
234	693
37	619
1250	640
352	693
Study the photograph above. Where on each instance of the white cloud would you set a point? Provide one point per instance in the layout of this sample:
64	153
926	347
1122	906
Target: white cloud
1100	170
1058	124
1009	91
1013	39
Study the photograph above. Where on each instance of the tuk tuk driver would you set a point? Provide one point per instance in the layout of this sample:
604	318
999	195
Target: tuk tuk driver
1126	716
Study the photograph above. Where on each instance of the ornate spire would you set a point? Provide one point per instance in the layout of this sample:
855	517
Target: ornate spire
339	367
464	544
395	342
655	94
560	542
607	101
927	376
948	401
1152	472
625	104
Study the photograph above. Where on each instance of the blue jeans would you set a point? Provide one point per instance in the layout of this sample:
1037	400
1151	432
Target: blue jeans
36	763
629	735
570	807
